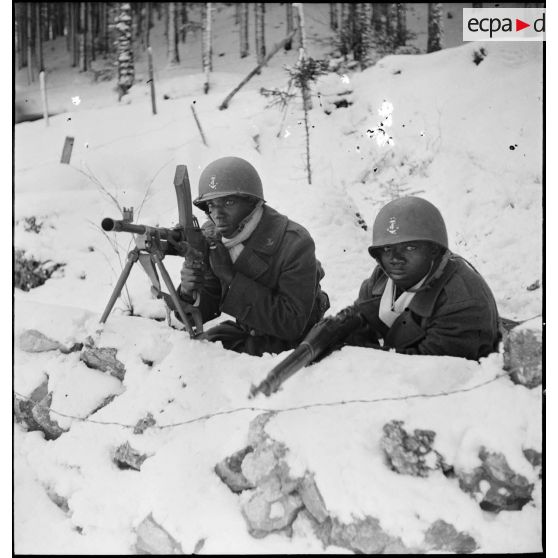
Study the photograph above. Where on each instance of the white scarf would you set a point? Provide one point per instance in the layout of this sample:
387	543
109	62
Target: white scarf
390	308
247	226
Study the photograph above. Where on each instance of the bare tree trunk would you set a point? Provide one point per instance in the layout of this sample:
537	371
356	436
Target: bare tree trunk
260	31
82	36
333	15
75	45
103	29
237	11
148	23
435	27
391	25
71	29
91	30
20	34
125	56
29	43
401	25
290	24
207	52
376	18
184	21
68	25
40	61
49	11
172	38
244	45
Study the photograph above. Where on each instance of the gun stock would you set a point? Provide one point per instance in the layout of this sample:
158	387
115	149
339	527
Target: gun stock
324	337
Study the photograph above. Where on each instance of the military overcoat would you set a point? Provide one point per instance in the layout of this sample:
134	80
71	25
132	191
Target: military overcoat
275	294
456	315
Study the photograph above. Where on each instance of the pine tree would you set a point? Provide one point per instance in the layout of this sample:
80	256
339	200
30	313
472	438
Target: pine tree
124	47
172	36
435	27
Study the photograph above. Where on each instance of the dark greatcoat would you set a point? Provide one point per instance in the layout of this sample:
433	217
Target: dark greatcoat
275	294
456	315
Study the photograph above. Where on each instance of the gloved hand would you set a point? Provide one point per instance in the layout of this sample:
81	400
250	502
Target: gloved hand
221	263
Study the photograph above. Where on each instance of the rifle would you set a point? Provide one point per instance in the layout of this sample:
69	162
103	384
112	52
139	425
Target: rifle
326	336
154	243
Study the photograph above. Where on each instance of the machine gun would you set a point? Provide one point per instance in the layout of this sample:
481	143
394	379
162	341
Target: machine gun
326	336
154	243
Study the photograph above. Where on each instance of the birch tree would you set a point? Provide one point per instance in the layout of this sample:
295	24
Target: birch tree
435	27
125	55
207	51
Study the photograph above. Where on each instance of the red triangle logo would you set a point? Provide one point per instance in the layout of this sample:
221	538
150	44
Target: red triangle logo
519	25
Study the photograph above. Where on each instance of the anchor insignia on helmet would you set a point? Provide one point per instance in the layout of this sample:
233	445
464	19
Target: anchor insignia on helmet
212	183
393	226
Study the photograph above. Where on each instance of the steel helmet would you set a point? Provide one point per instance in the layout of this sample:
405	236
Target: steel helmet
228	176
408	219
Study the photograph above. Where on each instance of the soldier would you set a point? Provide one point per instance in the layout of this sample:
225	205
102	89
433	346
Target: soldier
262	266
421	298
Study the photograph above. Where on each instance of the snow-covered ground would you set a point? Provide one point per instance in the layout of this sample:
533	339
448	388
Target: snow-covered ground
467	137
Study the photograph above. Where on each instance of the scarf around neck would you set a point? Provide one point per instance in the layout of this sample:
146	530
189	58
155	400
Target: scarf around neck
390	307
235	245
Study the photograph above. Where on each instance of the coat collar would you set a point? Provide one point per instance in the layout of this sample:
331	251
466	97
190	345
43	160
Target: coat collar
267	236
424	301
265	239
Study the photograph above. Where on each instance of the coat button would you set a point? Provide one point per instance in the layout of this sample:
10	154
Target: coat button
252	332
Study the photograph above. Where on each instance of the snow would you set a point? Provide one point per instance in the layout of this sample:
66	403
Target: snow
452	124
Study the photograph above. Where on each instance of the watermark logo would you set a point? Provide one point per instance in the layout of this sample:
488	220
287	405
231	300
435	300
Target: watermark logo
504	24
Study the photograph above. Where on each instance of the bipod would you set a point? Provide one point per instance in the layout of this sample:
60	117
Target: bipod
148	252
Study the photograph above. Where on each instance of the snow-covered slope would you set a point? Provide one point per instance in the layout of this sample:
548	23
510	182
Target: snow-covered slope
467	137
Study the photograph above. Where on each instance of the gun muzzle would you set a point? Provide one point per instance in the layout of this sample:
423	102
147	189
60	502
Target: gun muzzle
299	358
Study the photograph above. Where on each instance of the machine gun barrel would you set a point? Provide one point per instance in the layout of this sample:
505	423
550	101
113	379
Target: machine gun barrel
109	224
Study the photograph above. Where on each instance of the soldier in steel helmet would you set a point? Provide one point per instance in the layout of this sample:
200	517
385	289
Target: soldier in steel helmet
421	298
262	266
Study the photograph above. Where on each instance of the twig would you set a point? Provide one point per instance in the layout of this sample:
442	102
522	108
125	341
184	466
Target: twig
273	51
199	125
